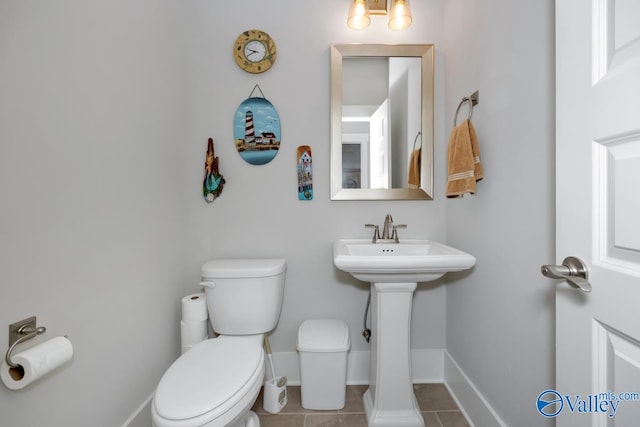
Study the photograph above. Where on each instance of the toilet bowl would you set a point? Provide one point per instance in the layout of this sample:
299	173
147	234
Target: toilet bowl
213	384
217	381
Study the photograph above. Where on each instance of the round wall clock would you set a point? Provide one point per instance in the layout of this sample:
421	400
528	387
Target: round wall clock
254	51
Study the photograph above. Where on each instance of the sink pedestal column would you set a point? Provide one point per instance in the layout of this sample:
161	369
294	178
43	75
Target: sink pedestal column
390	401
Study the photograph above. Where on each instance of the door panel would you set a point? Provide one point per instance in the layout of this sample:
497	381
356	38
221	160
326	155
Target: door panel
598	210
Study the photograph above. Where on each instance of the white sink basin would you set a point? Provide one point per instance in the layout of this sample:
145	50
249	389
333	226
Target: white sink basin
404	262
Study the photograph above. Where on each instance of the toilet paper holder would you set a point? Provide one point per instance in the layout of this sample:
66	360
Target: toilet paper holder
20	332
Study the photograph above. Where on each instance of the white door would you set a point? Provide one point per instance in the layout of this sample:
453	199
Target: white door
379	155
598	213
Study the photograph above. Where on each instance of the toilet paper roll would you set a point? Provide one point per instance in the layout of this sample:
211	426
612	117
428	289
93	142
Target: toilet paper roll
36	362
192	333
194	308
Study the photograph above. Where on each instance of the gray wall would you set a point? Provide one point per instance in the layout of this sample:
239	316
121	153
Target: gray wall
500	316
105	110
259	213
93	222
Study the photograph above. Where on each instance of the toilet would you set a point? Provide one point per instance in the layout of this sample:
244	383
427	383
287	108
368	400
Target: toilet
216	383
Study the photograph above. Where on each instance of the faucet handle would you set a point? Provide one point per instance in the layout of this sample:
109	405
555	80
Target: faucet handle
394	235
376	232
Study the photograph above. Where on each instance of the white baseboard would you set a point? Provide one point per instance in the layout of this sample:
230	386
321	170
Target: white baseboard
470	401
142	416
427	366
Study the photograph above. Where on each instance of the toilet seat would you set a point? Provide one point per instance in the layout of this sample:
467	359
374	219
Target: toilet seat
217	379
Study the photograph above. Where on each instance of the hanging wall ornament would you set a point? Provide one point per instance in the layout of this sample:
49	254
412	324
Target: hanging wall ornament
305	173
256	129
213	180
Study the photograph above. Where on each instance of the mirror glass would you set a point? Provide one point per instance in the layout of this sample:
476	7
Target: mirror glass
381	122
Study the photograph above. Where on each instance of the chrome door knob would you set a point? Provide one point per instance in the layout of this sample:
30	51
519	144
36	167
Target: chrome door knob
573	270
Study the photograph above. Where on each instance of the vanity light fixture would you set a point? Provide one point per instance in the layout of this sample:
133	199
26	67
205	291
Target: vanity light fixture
360	13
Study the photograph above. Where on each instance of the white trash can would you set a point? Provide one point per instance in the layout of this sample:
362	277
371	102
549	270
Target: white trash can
323	345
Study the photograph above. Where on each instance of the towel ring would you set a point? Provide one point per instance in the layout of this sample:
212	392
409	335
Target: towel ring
472	100
455	118
416	140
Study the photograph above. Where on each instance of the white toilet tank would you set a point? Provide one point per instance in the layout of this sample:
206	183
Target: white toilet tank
244	296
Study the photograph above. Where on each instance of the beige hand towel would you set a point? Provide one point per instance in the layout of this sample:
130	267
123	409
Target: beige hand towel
414	169
463	161
477	166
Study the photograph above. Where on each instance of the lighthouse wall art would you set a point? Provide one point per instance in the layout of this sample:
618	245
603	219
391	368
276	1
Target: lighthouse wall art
256	131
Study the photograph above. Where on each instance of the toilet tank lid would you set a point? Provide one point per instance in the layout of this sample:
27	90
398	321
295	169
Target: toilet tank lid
239	268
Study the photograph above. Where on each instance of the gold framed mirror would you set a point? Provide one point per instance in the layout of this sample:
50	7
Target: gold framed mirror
382	101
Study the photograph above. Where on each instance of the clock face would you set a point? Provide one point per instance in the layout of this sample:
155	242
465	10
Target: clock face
254	51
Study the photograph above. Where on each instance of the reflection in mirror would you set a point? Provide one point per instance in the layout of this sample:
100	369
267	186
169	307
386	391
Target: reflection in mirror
382	122
381	110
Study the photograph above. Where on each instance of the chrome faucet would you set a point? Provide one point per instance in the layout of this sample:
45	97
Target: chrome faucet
389	231
388	221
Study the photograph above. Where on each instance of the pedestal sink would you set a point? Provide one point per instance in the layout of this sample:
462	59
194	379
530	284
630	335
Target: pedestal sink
394	270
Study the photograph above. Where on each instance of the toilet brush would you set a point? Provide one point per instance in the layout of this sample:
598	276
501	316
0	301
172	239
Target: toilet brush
267	347
275	389
281	380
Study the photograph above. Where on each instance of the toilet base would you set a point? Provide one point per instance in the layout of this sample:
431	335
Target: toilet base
251	420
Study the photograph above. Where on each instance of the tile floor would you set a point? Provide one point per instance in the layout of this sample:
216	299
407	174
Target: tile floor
438	410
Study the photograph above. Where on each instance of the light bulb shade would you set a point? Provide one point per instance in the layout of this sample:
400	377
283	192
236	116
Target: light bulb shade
359	15
399	15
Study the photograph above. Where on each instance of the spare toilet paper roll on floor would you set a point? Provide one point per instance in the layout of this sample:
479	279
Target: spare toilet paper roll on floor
36	362
192	333
193	327
194	308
